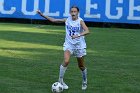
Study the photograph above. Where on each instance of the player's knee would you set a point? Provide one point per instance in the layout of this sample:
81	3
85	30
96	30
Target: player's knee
82	68
65	64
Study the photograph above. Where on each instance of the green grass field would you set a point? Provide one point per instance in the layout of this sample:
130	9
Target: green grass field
30	59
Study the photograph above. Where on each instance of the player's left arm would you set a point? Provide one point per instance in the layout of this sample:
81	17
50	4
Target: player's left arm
85	32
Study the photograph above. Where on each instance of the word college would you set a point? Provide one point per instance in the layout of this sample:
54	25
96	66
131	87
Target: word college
116	11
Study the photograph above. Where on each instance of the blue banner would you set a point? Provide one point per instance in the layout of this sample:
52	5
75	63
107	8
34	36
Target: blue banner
116	11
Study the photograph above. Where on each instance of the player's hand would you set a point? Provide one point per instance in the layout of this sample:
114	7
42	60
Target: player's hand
74	36
39	12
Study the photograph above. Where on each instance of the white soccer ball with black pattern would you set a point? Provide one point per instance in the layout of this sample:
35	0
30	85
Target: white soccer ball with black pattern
57	87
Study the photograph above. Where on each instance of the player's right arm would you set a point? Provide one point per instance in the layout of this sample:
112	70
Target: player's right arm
50	18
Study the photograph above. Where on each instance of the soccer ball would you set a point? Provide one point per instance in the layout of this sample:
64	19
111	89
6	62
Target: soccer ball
57	87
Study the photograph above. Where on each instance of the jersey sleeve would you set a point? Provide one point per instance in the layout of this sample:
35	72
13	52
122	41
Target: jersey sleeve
81	19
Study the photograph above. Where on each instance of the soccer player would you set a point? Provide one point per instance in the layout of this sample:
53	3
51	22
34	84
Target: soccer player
74	43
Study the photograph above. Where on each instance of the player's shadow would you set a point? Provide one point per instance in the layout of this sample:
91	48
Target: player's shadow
32	37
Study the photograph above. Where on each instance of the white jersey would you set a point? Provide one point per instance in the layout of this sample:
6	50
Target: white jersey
74	28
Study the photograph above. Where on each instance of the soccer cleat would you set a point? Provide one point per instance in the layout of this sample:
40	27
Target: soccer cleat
65	86
84	85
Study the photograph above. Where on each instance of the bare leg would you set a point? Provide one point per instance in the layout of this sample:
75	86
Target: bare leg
84	72
66	58
63	68
81	63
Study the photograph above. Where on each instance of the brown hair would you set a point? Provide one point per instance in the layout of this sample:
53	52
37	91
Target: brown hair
75	7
